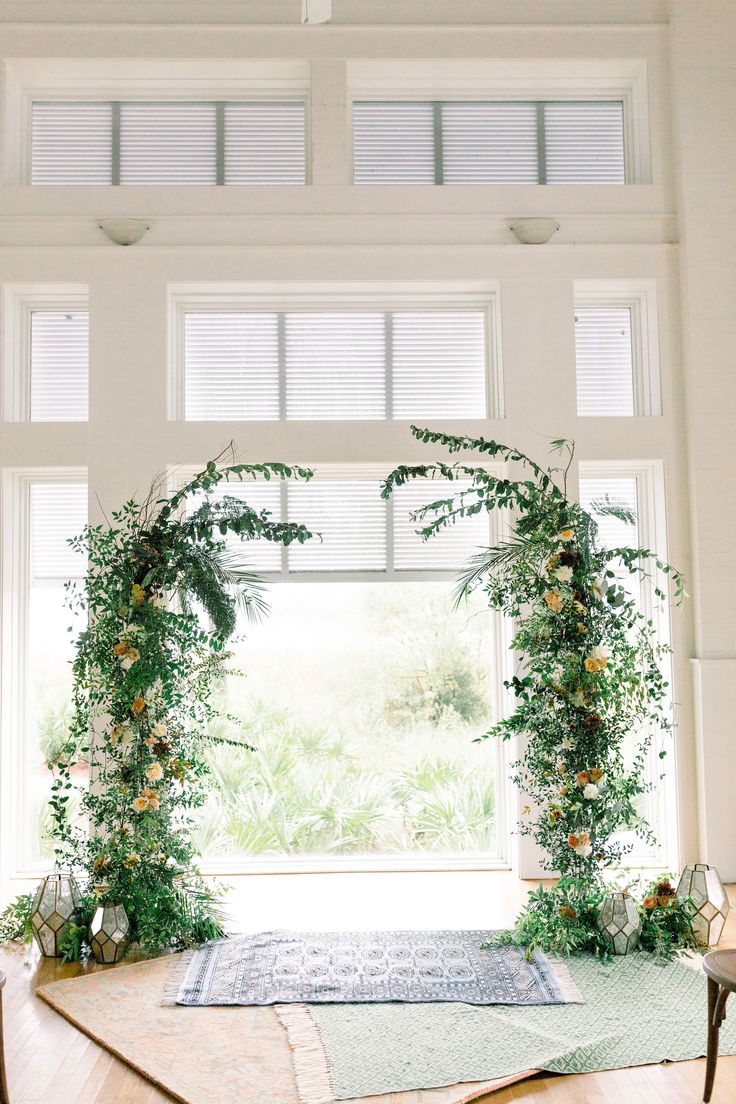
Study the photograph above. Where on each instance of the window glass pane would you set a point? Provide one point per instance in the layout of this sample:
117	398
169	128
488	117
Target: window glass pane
450	547
604	361
584	143
366	747
71	143
393	143
439	364
335	364
168	143
350	517
57	511
59	366
489	143
264	143
231	365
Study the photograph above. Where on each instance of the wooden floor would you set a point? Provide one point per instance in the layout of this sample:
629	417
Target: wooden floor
50	1062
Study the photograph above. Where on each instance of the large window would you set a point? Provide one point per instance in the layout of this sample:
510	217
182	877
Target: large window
364	688
49	508
335	363
639	488
169	142
487	142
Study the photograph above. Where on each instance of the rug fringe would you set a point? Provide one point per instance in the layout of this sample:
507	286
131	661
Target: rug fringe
178	971
564	979
311	1066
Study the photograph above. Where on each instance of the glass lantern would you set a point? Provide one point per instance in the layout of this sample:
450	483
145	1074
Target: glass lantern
620	923
57	899
109	932
702	884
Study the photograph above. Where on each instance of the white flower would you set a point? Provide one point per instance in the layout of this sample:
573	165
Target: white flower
563	574
159	729
590	791
583	849
158	601
600	654
127	662
567	744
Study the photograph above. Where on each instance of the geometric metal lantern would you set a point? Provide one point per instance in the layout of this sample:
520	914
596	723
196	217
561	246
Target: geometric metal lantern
703	886
109	933
620	923
57	899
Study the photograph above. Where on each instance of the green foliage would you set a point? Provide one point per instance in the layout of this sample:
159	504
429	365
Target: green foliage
667	921
15	920
560	920
589	663
144	673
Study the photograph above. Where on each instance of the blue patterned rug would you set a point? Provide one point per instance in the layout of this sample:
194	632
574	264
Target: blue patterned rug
360	967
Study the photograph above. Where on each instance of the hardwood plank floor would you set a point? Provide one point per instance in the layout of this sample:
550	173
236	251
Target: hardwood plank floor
50	1062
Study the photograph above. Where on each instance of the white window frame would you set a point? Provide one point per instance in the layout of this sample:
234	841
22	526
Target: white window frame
519	80
501	664
265	297
19	301
661	801
68	80
640	297
15	578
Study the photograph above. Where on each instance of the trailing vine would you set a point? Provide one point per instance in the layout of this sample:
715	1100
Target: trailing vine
161	596
590	666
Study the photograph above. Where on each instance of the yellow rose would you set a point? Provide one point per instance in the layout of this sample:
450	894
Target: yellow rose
140	804
138	706
566	534
591	666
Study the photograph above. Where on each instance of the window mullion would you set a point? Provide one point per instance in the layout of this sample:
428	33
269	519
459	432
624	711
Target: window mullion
281	353
115	144
220	142
388	337
541	145
439	155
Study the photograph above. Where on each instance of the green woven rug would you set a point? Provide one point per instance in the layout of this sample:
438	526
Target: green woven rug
636	1012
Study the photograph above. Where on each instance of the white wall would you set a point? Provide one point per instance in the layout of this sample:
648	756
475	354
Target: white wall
703	58
331	231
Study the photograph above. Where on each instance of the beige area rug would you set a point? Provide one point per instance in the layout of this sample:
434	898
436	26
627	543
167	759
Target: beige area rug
236	1055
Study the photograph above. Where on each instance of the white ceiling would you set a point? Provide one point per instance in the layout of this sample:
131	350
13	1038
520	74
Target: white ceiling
346	12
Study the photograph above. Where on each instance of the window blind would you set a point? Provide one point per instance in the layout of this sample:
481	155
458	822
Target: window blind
265	143
59	365
448	549
58	511
584	143
358	531
604	361
335	365
393	143
350	515
71	143
168	142
488	142
231	366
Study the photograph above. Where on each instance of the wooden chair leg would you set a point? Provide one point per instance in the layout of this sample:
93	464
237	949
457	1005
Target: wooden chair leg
4	1097
717	998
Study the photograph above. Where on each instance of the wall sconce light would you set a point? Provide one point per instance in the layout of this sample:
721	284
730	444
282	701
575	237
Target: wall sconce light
124	231
316	11
534	231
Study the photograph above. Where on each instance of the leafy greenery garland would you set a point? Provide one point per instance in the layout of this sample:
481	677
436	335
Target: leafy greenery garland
590	668
144	674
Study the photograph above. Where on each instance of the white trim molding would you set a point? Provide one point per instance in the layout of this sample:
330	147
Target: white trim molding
18	303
